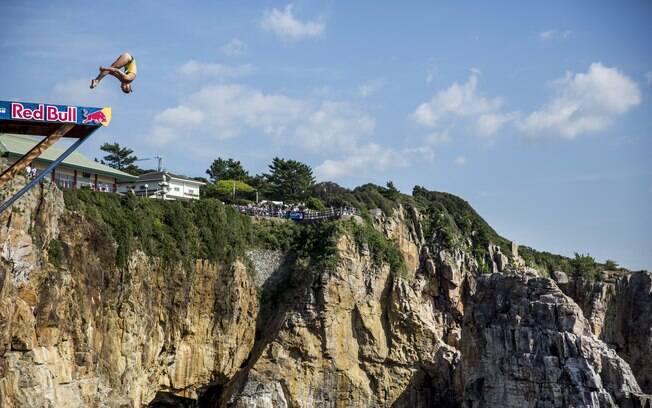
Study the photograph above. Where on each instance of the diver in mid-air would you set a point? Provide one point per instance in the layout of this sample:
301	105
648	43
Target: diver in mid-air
125	61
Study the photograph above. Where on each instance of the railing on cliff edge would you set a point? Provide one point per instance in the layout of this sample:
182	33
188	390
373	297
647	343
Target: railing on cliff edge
297	215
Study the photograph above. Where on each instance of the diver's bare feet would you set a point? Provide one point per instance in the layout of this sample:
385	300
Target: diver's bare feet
94	83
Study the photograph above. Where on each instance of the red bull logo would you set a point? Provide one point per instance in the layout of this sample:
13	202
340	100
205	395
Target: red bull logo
49	113
99	117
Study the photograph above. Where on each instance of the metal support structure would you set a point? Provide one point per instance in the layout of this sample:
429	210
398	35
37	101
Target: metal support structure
34	153
45	172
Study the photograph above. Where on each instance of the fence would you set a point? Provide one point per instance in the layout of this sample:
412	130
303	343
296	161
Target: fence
296	215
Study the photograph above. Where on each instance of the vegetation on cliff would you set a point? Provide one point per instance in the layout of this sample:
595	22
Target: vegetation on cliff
207	229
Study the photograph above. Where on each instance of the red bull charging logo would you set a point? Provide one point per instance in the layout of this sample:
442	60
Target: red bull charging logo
99	117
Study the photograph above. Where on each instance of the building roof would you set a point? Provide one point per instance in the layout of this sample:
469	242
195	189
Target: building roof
158	175
18	145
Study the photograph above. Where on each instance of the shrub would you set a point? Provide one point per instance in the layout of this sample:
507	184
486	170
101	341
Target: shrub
383	250
55	252
316	204
172	230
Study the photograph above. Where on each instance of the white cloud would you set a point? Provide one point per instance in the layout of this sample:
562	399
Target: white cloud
369	159
235	47
195	68
648	78
78	92
334	125
285	25
225	111
437	138
554	35
584	102
460	160
456	100
335	131
371	87
488	124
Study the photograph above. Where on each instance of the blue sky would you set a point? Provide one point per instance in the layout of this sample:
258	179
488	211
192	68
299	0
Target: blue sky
537	113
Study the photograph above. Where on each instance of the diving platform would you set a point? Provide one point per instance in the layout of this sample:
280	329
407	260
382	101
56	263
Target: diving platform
52	122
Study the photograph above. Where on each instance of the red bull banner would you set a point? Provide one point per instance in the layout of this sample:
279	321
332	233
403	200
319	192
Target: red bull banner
41	112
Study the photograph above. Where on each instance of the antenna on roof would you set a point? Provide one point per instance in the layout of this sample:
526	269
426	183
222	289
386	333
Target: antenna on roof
160	161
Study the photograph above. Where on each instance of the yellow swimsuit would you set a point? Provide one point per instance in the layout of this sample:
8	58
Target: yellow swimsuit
131	67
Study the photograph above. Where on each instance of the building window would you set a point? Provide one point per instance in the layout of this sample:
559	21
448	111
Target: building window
86	175
176	189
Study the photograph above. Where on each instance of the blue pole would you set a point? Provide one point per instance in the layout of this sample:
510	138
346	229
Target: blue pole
45	172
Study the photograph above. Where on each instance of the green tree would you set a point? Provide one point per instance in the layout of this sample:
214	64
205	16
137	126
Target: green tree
610	265
584	265
120	157
289	180
230	191
391	191
228	169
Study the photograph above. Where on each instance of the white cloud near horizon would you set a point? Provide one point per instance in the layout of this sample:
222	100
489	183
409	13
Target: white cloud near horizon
235	48
369	159
196	68
231	109
460	160
554	34
286	26
584	103
338	132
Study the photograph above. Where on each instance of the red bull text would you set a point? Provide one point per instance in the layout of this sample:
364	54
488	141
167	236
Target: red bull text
49	113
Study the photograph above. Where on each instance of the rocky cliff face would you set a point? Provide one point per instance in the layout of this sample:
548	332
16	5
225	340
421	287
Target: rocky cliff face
279	329
86	334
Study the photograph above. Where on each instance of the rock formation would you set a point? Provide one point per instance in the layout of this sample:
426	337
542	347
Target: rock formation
292	328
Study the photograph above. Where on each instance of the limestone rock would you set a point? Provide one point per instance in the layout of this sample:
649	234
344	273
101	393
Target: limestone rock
560	277
524	341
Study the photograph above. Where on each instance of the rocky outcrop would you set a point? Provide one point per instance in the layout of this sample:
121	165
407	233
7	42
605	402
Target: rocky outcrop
619	310
525	344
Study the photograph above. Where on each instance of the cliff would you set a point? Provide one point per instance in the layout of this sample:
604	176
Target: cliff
125	302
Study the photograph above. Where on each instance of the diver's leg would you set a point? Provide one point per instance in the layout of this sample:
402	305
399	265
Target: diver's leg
122	60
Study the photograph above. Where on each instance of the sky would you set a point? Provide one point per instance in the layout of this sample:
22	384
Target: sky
536	113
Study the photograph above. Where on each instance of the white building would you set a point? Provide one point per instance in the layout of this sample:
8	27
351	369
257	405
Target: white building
164	185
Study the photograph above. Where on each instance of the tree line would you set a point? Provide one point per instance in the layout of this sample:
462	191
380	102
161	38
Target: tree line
286	179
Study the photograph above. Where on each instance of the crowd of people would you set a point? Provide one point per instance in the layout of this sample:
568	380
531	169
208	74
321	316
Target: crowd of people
297	212
31	172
